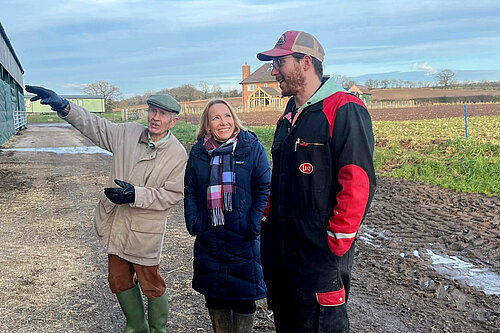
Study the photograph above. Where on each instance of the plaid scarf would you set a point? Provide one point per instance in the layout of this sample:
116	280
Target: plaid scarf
222	178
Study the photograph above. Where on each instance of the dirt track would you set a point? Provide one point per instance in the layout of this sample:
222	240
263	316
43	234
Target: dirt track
54	271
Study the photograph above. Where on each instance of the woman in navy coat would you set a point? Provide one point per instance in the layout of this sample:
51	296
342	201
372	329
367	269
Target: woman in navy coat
226	190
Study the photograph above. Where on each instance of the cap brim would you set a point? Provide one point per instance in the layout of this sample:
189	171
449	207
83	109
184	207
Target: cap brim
269	55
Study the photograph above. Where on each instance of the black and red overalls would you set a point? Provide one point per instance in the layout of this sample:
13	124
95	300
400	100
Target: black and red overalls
323	180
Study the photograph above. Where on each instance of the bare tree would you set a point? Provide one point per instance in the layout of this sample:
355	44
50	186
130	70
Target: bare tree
347	83
217	90
110	92
205	88
370	84
338	78
445	77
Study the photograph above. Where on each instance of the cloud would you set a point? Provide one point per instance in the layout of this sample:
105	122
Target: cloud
74	85
425	67
145	16
142	45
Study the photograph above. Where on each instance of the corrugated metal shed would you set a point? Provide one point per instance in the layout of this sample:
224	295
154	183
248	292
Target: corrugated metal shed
9	59
12	109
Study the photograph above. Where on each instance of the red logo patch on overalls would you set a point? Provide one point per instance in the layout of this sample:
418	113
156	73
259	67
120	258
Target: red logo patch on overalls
306	168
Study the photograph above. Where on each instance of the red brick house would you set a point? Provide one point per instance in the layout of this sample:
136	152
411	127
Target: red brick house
260	90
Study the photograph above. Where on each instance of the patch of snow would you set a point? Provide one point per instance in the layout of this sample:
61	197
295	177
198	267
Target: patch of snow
63	150
478	277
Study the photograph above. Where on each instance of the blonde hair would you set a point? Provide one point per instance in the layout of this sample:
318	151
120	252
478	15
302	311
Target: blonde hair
202	129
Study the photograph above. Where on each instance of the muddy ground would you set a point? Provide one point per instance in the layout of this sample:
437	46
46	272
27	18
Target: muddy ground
53	276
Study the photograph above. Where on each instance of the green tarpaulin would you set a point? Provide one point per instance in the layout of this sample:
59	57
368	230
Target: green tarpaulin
11	101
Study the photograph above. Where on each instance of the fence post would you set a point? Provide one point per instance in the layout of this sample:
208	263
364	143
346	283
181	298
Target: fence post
465	112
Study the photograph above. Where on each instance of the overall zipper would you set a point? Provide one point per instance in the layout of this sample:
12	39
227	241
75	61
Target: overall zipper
298	142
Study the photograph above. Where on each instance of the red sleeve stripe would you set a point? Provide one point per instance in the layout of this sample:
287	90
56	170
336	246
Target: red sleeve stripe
350	208
334	102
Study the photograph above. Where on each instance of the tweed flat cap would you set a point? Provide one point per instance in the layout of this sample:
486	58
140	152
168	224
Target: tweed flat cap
165	102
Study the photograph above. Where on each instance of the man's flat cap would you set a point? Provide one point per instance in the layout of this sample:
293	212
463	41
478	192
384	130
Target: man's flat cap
165	102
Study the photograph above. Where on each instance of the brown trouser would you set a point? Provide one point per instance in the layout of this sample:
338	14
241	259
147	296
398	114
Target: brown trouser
121	277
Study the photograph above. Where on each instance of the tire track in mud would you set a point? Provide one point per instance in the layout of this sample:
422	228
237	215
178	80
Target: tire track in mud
393	267
464	224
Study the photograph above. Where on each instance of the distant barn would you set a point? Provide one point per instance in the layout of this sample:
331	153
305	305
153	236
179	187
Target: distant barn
12	111
93	103
362	92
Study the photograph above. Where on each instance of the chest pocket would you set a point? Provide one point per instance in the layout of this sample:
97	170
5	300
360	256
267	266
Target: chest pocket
312	164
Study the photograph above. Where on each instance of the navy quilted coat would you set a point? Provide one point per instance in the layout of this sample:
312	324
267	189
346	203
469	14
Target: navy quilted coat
227	258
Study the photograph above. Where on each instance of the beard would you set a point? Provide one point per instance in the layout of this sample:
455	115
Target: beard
293	82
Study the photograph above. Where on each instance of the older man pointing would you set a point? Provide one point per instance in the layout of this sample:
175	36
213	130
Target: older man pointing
130	219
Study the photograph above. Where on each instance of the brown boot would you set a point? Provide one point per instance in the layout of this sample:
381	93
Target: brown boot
243	323
221	320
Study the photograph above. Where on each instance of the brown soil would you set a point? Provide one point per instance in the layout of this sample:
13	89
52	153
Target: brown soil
54	271
411	93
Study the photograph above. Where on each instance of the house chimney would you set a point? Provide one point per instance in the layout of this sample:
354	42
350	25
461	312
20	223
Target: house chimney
245	71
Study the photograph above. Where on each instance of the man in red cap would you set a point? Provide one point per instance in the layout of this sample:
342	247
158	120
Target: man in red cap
323	181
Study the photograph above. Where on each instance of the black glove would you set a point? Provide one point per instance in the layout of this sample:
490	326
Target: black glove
120	195
48	97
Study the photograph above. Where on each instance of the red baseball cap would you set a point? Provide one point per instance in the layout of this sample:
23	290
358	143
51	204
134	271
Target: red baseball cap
294	42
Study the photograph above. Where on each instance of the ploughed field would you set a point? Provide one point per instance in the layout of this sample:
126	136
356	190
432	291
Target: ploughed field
412	93
393	114
427	258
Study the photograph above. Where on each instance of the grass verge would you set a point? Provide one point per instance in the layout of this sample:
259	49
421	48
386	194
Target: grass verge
53	118
435	151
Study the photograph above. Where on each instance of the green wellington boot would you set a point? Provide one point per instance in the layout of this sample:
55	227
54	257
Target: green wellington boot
133	308
158	313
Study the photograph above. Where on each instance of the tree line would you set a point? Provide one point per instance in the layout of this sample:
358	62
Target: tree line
444	78
186	92
113	97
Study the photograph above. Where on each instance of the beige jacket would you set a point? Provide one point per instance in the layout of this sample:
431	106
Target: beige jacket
134	231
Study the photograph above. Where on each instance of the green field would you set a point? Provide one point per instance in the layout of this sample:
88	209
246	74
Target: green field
53	118
435	151
432	151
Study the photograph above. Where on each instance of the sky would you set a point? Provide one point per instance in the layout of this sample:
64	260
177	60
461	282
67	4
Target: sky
142	46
